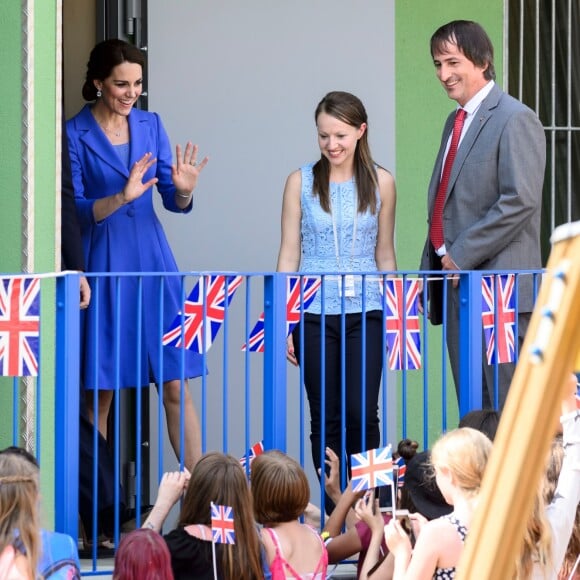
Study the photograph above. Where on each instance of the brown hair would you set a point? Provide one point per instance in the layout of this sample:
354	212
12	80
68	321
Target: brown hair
279	487
219	478
350	110
19	506
104	57
471	39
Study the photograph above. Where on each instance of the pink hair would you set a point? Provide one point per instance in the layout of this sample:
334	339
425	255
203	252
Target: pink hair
142	555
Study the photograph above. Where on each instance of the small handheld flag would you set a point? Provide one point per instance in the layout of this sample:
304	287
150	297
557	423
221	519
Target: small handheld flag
222	524
400	469
253	452
373	468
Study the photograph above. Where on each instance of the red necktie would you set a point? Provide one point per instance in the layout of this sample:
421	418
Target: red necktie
436	231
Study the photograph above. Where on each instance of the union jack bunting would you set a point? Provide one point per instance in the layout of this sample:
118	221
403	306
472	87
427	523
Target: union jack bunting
400	469
504	346
577	395
212	290
222	524
293	308
397	307
373	468
253	452
19	326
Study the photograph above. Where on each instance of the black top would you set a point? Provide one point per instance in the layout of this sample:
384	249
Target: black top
191	557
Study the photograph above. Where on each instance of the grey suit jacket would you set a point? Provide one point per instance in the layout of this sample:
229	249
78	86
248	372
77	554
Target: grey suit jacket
491	216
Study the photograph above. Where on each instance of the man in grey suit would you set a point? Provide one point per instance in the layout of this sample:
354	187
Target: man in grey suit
488	215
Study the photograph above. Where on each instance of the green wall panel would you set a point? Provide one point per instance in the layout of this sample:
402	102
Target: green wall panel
422	107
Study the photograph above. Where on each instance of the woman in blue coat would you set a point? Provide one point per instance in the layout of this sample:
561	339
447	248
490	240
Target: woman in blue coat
118	153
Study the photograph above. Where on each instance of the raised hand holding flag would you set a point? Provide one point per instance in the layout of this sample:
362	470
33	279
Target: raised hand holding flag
253	452
372	468
211	290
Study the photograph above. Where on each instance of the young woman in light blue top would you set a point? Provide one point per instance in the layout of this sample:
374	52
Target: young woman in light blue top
338	215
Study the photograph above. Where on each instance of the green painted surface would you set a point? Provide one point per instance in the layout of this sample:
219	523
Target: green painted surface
422	107
43	153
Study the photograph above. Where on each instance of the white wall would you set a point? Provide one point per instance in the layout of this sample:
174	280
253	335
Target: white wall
242	79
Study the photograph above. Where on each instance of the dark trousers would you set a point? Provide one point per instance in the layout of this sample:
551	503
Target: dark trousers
331	432
105	498
505	370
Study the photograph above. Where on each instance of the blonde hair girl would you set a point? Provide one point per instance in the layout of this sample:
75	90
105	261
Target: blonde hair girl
19	522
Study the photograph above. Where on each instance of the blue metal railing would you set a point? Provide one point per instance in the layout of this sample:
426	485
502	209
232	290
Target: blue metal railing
261	397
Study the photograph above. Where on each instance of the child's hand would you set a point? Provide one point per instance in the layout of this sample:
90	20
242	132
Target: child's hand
397	540
332	480
367	510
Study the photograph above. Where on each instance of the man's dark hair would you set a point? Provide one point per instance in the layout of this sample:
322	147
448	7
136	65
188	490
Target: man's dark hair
471	39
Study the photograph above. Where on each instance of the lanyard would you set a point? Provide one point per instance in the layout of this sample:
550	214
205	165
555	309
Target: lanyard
334	229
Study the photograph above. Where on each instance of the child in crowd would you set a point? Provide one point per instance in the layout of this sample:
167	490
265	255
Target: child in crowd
217	478
19	522
459	459
23	545
551	526
142	555
281	493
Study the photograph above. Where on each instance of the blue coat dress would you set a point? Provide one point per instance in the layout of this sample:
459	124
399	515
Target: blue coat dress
129	240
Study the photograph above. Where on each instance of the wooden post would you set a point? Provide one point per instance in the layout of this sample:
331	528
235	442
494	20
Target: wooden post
530	415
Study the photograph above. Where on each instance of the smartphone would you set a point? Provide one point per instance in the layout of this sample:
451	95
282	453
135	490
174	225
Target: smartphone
405	521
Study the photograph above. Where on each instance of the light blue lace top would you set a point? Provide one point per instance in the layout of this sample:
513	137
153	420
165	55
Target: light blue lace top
318	245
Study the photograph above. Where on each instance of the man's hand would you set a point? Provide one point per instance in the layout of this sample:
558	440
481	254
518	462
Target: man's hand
447	263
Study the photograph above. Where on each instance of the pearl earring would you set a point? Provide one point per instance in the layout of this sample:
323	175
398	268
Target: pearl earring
99	93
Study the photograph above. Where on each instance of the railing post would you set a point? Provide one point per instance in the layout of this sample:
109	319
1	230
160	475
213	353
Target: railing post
275	361
470	337
67	405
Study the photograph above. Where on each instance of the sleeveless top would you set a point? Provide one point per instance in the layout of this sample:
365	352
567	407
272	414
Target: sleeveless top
449	573
279	566
356	235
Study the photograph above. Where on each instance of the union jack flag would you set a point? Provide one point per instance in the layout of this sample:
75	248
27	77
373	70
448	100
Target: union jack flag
253	452
212	291
19	326
372	468
504	346
400	469
222	524
401	308
310	286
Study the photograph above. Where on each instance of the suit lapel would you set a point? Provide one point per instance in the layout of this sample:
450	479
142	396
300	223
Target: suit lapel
92	136
482	116
138	125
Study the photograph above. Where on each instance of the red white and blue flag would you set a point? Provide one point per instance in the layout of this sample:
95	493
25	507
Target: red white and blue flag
500	345
294	306
400	469
19	326
402	313
217	293
578	396
253	452
373	468
222	524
